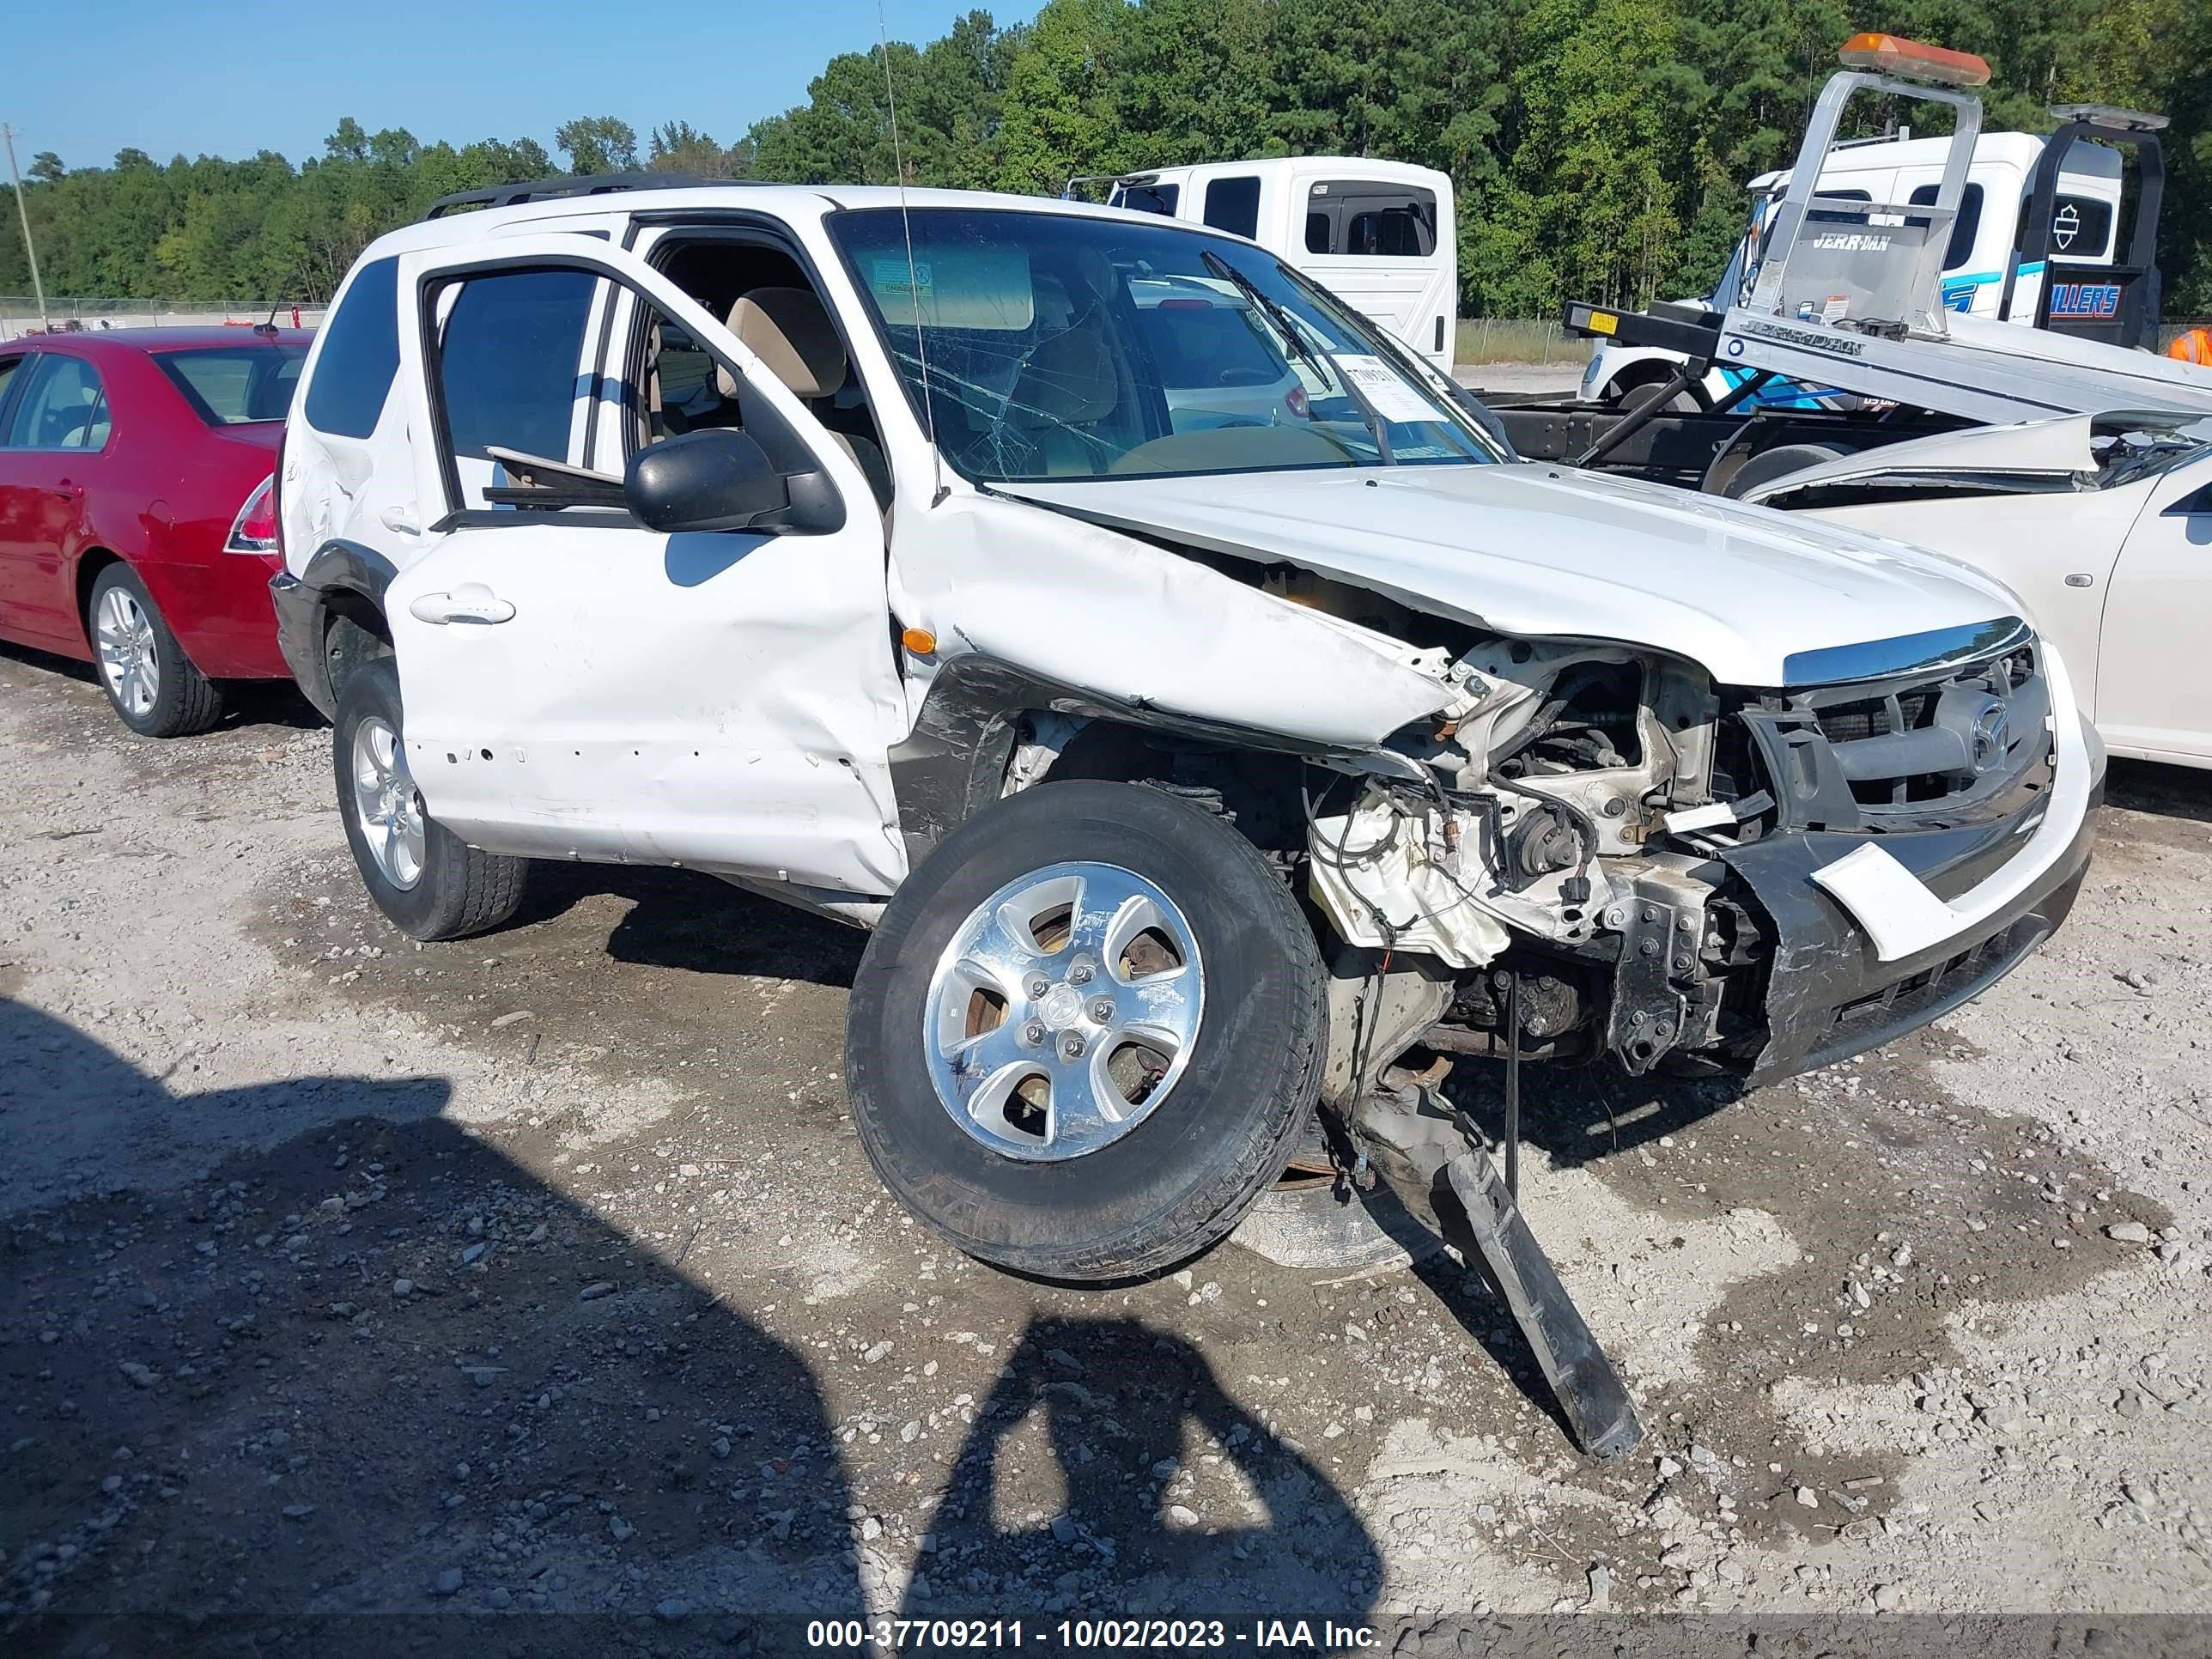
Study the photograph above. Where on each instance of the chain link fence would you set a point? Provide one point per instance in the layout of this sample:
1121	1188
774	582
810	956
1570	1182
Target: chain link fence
1481	339
19	313
1518	340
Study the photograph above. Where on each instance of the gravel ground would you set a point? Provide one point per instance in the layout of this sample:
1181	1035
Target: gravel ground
542	1271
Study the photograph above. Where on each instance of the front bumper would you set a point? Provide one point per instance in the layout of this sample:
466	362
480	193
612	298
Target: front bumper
1850	966
1828	994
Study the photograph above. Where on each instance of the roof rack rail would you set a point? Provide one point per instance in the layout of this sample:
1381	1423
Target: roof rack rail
538	189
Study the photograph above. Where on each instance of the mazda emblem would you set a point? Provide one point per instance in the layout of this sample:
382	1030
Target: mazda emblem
1987	735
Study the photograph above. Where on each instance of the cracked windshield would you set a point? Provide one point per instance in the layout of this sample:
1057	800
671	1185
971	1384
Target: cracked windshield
1054	346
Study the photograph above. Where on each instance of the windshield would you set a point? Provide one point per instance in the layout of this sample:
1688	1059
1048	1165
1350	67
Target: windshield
2131	447
1064	348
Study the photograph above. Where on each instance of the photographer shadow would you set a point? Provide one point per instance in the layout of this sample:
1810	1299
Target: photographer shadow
1153	1492
376	1379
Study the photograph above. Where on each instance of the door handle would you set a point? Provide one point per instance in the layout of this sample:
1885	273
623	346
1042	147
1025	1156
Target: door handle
66	489
471	602
400	521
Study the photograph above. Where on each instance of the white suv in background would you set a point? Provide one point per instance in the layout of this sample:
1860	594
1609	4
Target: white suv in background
1192	753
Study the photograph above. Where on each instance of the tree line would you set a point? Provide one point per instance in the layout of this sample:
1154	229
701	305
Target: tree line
1598	148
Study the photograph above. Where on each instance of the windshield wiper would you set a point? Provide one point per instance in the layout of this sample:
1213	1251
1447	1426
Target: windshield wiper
1287	326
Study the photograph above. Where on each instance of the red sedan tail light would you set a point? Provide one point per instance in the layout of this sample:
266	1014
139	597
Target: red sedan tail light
254	530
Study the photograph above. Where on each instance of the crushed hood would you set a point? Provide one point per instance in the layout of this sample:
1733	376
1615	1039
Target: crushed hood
2042	448
1548	550
2031	450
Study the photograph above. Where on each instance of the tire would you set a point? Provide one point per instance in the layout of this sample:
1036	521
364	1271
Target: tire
1225	1114
1642	396
131	644
1770	465
453	889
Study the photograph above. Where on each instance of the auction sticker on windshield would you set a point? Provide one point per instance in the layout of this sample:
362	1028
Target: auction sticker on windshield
1384	390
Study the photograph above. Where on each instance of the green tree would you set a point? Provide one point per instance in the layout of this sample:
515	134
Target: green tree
1060	115
1597	148
598	143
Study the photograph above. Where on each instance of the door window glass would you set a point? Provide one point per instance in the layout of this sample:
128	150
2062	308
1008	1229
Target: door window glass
509	363
62	407
1233	205
7	368
1814	215
360	355
1964	228
1317	229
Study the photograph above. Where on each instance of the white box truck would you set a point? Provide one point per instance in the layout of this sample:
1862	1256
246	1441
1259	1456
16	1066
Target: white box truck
1377	234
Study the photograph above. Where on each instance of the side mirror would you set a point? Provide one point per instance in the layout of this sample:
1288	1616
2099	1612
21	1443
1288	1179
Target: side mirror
716	479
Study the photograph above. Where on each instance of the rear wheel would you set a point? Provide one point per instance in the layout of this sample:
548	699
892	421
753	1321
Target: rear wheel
430	883
1644	395
150	682
1770	465
1087	1032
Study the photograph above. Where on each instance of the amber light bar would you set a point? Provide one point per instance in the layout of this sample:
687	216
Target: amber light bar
1914	60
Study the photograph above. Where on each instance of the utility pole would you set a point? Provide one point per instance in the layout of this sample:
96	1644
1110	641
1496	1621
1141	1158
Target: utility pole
7	136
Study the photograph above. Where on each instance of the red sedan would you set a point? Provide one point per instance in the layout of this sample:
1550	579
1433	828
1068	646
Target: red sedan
138	528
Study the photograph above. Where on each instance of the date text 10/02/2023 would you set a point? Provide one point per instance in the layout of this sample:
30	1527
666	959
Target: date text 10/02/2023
1166	1635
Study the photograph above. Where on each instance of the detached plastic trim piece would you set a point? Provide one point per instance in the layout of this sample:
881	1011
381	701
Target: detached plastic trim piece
1899	913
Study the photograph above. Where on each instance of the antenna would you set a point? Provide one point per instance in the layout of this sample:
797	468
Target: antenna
913	271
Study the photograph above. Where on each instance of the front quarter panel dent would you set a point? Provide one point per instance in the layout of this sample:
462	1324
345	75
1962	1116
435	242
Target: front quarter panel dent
1087	606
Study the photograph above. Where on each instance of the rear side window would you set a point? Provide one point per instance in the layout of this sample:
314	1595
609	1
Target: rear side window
509	362
233	385
1233	205
1364	219
2081	229
1148	199
62	407
360	355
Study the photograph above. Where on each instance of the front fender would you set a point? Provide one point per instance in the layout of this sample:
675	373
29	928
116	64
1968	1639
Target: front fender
1077	604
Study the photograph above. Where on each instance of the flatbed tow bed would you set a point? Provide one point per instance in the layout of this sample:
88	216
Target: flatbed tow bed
1849	296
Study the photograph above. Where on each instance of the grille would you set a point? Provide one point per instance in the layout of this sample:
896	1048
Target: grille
1930	741
1875	717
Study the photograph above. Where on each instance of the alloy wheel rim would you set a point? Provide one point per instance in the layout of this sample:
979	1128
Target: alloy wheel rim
129	659
386	804
1064	1011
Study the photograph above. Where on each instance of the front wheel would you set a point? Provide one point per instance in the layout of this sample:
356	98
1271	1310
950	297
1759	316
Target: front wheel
1087	1032
430	883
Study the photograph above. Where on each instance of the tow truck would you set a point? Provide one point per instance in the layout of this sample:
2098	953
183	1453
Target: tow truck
1850	297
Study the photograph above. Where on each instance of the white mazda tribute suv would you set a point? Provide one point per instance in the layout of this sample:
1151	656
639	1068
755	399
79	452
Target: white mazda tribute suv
1200	707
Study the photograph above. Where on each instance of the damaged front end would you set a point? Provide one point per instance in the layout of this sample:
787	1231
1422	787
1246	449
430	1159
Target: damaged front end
1669	871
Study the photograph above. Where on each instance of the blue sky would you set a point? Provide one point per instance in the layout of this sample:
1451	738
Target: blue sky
225	78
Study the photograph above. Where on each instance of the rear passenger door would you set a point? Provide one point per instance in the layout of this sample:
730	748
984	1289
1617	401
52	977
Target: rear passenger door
579	686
